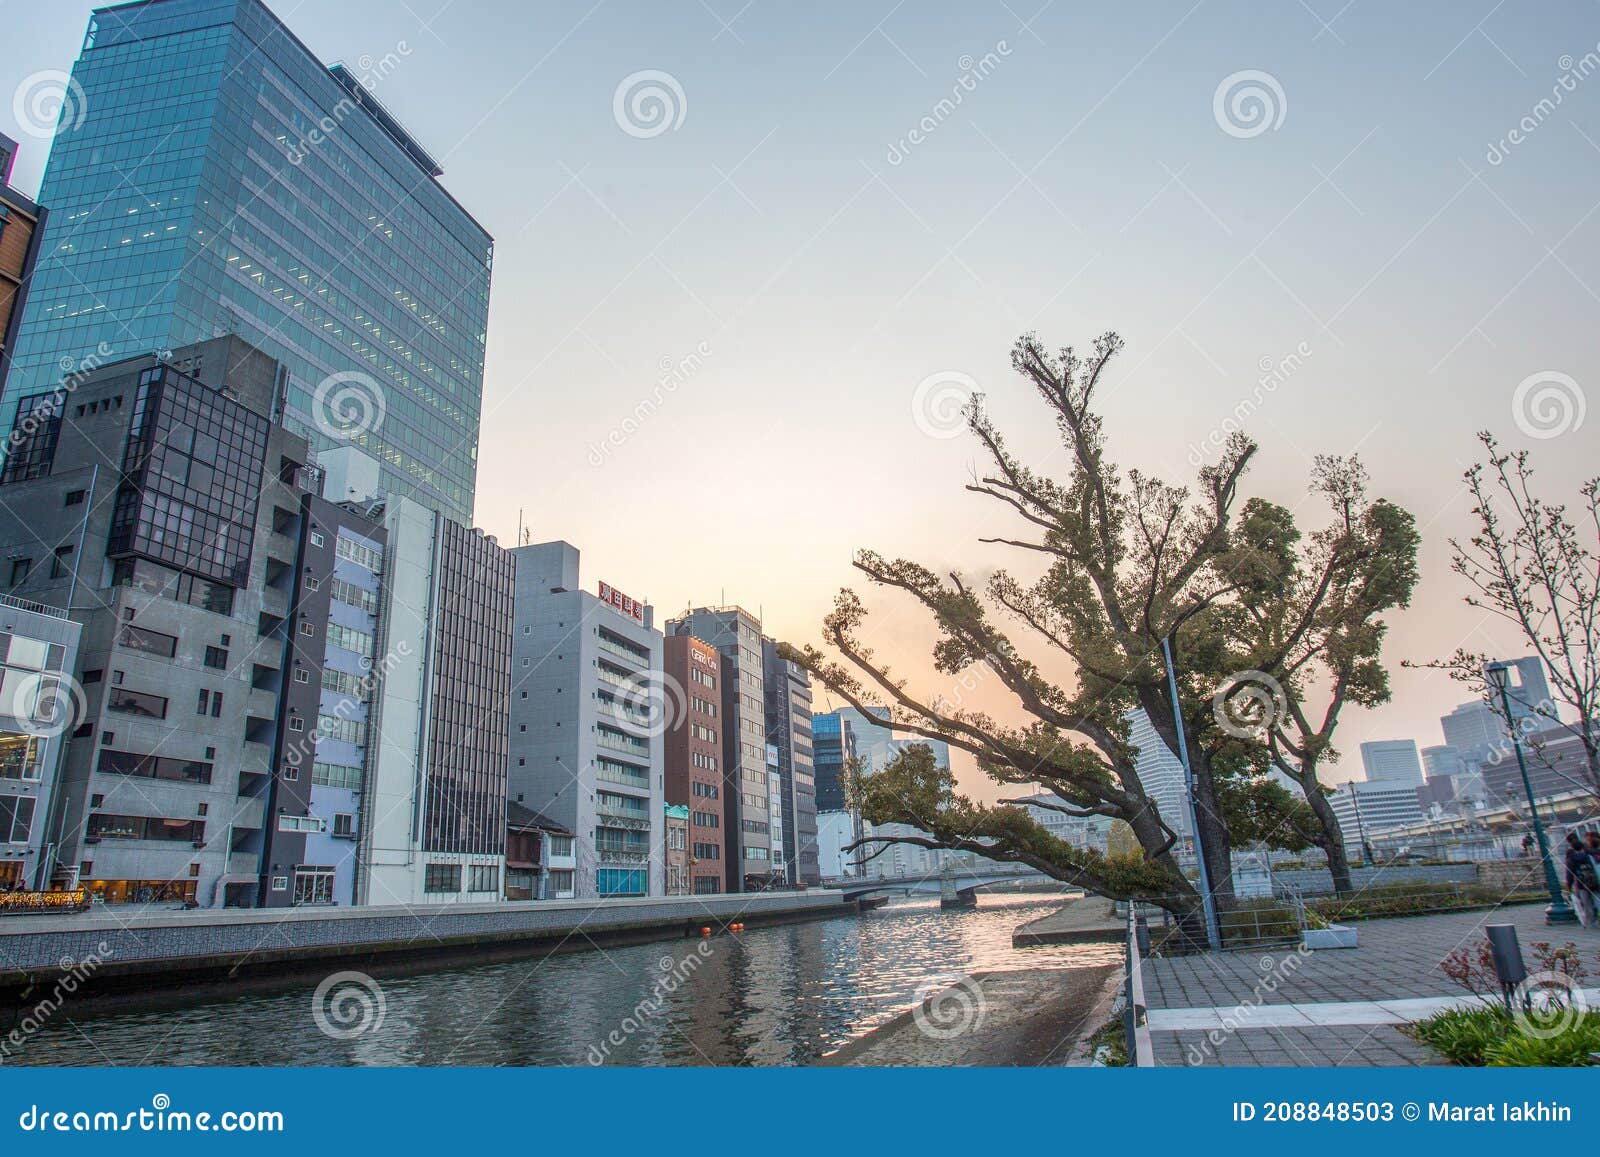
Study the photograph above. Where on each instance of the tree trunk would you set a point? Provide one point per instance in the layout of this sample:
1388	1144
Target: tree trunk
1216	842
1332	842
1211	832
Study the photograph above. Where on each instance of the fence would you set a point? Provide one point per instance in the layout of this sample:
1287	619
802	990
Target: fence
1135	1026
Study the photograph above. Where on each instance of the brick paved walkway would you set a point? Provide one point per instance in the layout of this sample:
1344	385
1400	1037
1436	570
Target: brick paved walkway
1397	959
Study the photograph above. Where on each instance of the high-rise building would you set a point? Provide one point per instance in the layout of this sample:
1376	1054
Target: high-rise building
1476	728
435	826
694	757
21	222
590	709
215	178
1556	761
1366	806
833	746
1392	760
790	744
1442	760
736	633
329	687
1161	774
158	503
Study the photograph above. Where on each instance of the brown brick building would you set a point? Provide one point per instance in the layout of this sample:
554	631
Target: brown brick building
694	757
21	222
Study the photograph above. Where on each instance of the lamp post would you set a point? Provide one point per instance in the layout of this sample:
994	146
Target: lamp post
1559	911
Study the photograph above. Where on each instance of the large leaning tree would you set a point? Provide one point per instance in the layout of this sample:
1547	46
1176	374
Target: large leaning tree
1130	563
1536	564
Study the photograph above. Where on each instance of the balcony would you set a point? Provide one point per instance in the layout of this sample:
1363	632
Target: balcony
625	819
621	856
244	864
249	812
623	744
628	657
611	709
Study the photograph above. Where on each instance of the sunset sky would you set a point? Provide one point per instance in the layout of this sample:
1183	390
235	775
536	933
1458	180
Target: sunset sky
812	263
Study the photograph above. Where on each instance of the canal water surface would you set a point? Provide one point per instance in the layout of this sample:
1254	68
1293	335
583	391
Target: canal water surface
771	996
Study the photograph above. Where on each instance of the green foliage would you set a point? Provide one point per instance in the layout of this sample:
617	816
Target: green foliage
915	790
1464	1035
1487	1036
1569	1048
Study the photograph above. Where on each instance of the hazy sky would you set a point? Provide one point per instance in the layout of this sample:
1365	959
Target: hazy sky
1374	222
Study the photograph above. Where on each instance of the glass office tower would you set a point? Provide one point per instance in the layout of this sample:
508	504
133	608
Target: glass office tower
215	177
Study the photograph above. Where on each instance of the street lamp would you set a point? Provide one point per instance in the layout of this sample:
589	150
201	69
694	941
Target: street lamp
1559	911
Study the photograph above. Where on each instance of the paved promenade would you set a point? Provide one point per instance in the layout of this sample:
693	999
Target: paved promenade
1283	1006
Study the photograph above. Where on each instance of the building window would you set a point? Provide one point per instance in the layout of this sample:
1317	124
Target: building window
126	702
484	878
114	827
316	538
149	642
16	817
313	583
443	879
313	825
61	562
561	845
313	885
307	627
344	825
19	570
216	658
297	724
290	773
302	676
73	498
19	756
620	881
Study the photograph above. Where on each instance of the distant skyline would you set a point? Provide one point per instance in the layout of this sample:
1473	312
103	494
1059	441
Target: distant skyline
755	306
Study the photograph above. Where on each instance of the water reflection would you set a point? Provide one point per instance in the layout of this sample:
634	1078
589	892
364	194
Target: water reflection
772	996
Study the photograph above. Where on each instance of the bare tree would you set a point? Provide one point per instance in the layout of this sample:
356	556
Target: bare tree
1536	564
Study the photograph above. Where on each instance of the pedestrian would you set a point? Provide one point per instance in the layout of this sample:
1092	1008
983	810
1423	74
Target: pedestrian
1582	880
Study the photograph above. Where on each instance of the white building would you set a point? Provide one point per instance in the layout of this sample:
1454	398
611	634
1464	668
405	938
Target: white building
1365	807
590	708
1392	761
836	831
1088	832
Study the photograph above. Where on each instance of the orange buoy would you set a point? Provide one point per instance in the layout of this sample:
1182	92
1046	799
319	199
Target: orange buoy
705	931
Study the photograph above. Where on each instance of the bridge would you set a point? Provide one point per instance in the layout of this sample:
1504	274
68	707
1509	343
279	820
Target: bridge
956	887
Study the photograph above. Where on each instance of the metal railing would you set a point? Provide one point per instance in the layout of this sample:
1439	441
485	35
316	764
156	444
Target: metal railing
1135	1020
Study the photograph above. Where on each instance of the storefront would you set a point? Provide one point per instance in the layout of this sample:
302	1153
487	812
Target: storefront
142	891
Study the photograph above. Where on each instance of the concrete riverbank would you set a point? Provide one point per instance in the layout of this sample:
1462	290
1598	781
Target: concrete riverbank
1086	920
116	950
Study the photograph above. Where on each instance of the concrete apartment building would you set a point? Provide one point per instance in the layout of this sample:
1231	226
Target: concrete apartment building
790	763
590	708
38	657
159	504
21	227
694	757
736	634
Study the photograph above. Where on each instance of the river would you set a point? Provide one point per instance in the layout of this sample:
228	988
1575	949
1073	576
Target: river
771	996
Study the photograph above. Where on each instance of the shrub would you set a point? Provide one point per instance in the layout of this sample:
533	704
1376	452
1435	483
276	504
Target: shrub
1464	1035
1569	1048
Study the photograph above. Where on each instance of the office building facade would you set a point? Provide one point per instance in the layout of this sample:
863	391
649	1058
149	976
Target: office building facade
590	709
434	800
791	769
693	753
1392	761
1367	806
747	842
21	229
217	178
